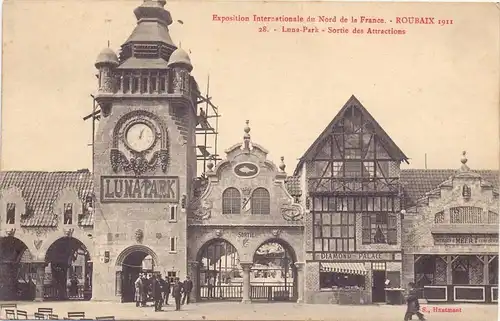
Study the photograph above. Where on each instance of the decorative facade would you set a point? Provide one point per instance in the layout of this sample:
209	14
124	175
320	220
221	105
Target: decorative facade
245	230
451	245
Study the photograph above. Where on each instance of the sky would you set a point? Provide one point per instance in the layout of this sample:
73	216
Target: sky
434	90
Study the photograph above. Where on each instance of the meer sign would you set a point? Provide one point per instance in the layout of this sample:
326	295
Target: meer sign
125	189
466	239
360	256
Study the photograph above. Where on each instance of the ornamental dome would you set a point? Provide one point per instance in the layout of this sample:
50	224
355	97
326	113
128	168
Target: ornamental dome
107	56
180	58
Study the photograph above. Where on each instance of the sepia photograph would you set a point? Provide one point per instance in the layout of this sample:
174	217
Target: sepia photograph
249	160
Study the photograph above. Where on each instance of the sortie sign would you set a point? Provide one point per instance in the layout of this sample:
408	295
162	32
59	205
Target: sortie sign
359	256
125	189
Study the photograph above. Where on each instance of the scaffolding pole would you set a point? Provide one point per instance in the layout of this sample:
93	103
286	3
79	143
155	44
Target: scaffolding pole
208	130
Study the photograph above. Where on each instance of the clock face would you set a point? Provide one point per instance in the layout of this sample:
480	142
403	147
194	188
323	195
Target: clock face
140	137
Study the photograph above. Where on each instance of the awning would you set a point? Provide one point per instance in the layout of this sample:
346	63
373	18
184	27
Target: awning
344	267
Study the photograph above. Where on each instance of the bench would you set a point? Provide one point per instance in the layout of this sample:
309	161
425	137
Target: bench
76	315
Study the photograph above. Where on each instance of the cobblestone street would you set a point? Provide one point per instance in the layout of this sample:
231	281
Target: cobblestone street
262	311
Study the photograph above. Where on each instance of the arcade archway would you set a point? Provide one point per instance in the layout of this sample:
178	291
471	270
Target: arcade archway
273	276
68	274
134	261
219	271
15	270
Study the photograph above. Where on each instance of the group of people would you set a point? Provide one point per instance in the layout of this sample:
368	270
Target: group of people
158	289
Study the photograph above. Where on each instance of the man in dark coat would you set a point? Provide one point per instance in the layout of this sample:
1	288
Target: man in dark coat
165	287
177	293
188	287
413	306
157	292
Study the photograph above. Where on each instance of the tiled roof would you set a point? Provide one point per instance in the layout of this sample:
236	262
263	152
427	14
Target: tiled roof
41	189
417	182
292	184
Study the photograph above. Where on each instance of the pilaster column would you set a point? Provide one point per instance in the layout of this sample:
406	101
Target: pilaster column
193	273
246	282
300	281
39	281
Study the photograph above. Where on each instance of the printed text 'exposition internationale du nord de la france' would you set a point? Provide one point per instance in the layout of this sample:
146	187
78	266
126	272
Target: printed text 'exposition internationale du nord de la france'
333	24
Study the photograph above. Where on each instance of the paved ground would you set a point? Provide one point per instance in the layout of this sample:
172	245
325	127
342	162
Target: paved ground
263	311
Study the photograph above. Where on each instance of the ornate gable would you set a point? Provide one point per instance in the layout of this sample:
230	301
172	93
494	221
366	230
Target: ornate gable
464	203
246	188
353	154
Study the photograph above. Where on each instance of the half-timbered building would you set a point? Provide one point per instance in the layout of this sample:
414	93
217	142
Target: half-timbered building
350	177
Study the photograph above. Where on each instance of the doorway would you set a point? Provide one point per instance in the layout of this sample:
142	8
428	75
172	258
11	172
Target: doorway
378	286
135	264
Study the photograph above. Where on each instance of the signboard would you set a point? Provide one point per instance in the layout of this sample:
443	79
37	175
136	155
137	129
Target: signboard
355	256
458	239
246	170
131	189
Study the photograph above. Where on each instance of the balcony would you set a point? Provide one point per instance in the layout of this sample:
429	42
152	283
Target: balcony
171	83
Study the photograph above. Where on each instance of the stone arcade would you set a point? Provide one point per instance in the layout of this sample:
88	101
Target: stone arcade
348	220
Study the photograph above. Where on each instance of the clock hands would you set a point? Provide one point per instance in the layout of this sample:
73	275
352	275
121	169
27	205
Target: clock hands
140	134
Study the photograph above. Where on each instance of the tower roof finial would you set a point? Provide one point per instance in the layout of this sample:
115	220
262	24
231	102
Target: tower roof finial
464	167
282	164
246	136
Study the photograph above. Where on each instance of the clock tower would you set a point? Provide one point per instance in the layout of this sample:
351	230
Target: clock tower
144	157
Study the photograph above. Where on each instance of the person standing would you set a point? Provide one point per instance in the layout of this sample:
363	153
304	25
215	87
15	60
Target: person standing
177	293
144	292
211	284
188	287
413	307
74	286
166	289
138	291
156	292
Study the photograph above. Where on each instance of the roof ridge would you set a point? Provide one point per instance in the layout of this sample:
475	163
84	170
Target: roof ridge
446	169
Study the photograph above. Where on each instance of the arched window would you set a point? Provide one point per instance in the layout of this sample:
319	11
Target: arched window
231	201
261	202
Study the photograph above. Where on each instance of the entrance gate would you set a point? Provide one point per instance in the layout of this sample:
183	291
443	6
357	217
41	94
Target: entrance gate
220	274
15	270
68	272
273	274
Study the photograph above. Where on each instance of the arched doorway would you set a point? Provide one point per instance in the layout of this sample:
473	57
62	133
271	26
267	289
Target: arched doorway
273	276
134	261
68	274
16	273
219	271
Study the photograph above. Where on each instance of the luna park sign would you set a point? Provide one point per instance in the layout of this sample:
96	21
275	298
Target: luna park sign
125	189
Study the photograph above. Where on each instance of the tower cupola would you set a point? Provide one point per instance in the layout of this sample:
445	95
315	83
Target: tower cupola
106	62
150	38
180	58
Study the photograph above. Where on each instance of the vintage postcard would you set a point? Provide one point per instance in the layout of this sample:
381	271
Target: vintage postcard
250	160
